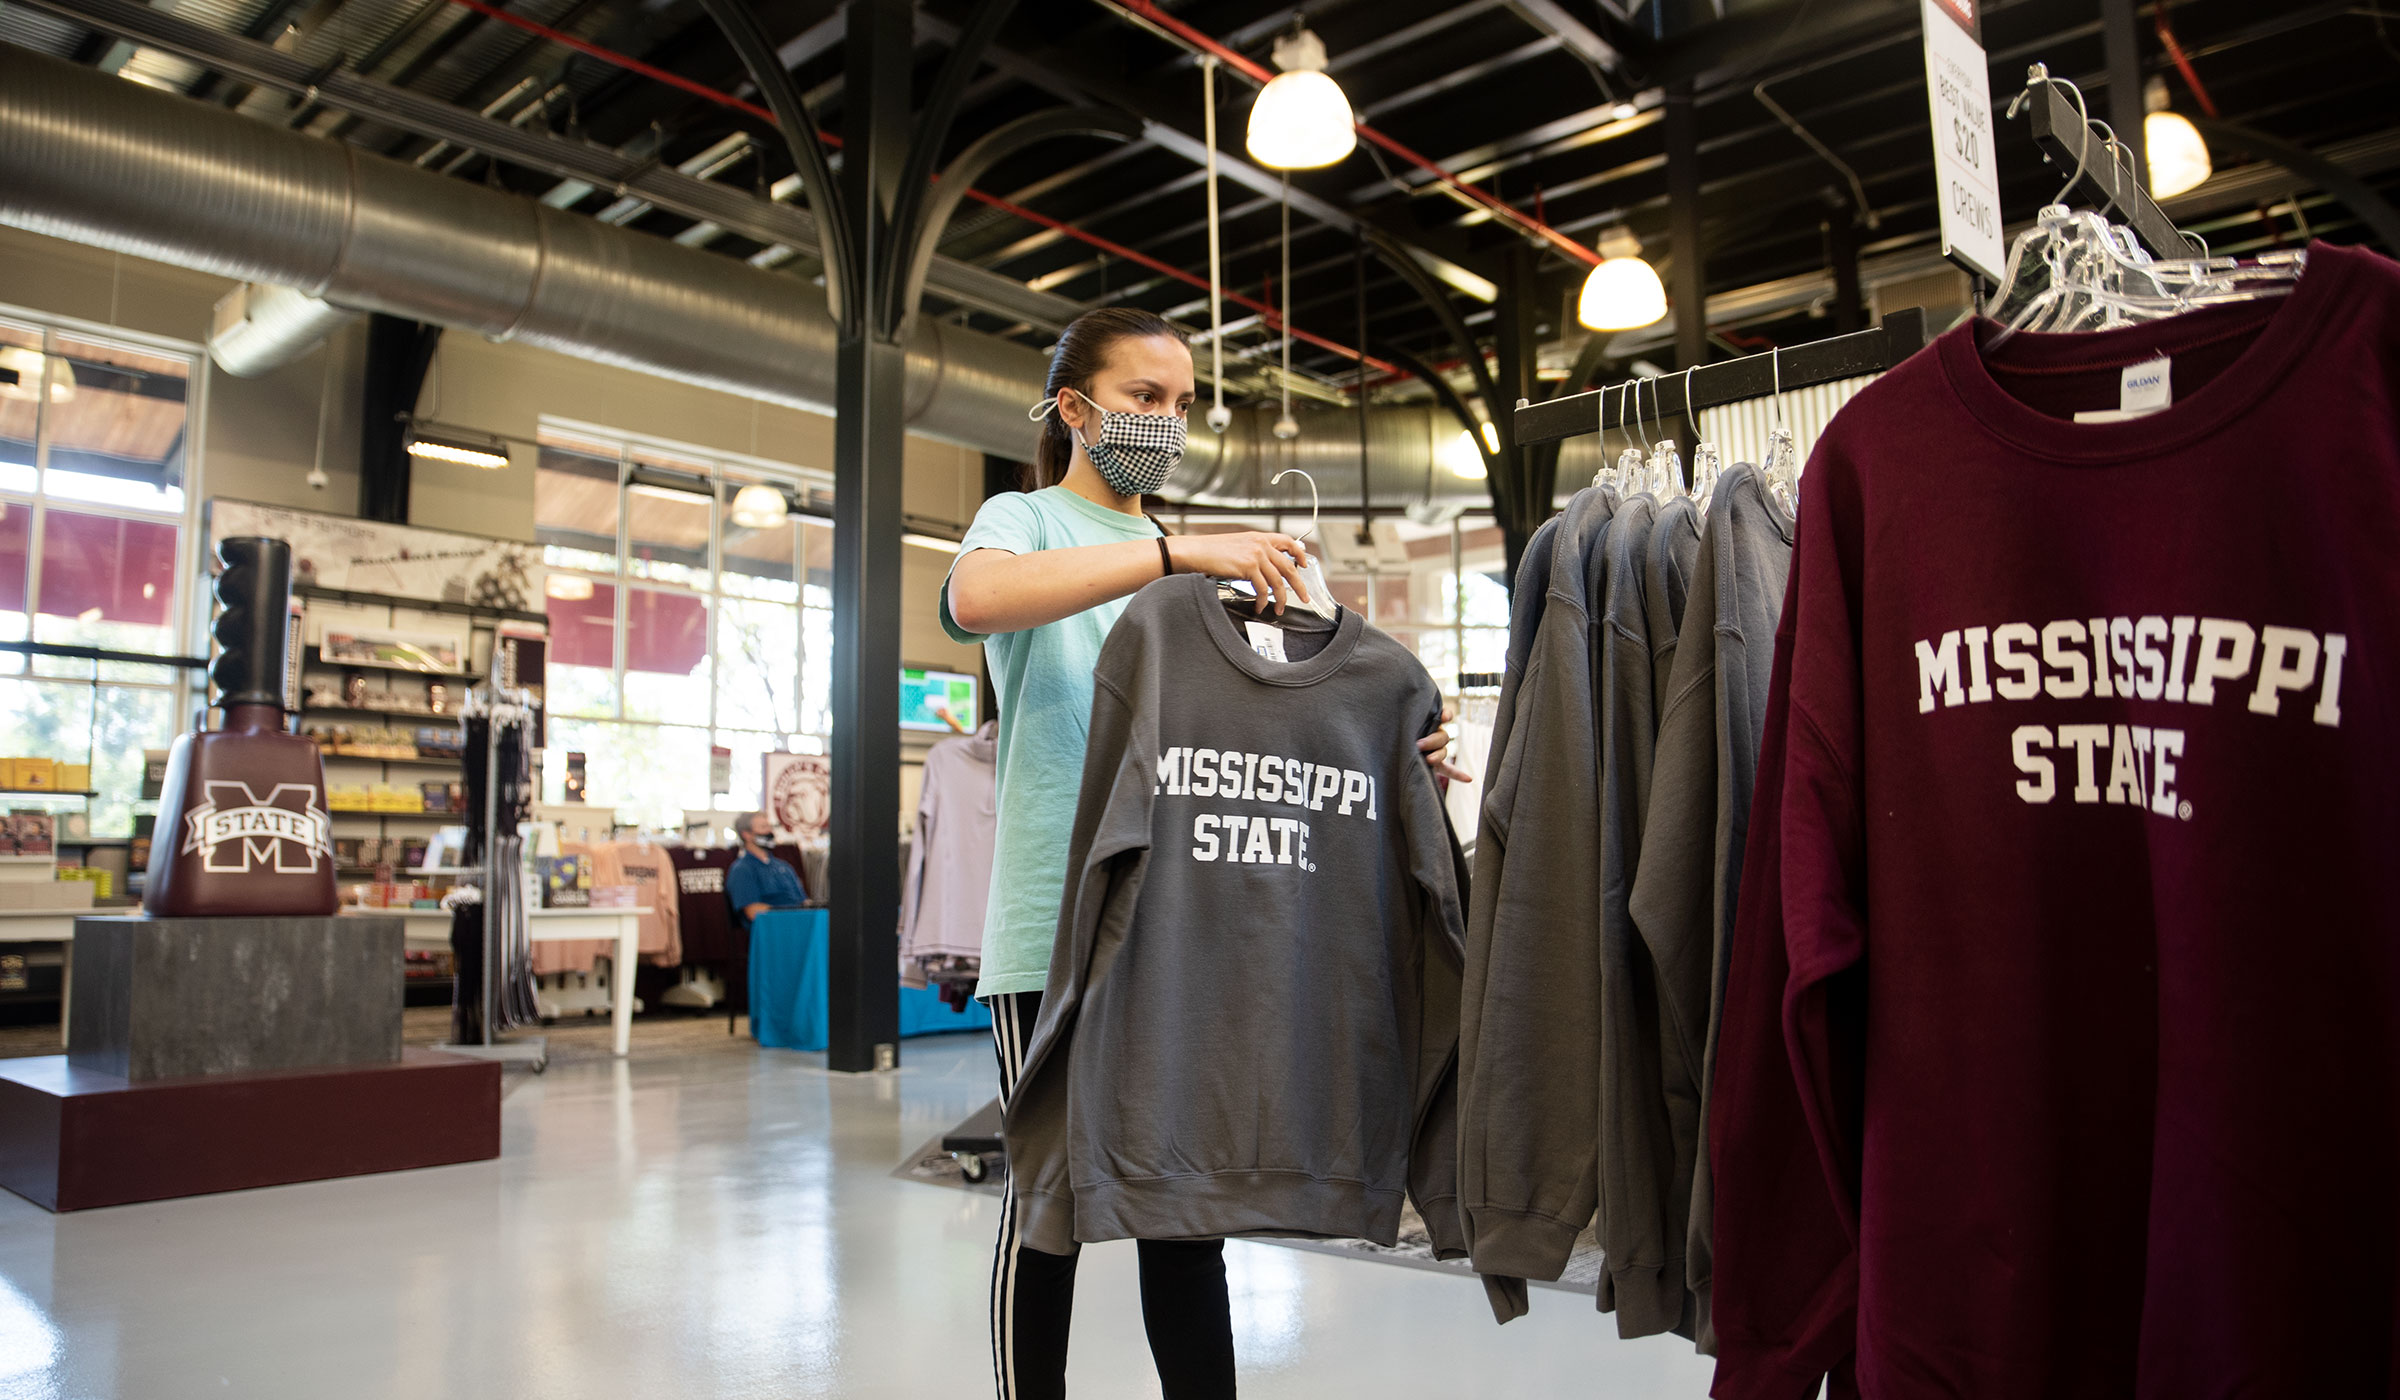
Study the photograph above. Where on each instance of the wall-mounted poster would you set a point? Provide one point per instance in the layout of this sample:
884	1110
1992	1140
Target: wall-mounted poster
405	561
799	788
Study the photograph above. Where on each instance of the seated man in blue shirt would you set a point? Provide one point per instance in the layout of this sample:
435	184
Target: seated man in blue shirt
758	881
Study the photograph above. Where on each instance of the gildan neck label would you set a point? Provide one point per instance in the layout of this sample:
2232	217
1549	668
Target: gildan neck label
1266	639
2146	386
2142	390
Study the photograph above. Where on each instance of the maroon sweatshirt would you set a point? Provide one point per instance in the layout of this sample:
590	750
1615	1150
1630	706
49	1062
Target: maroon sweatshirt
2059	1054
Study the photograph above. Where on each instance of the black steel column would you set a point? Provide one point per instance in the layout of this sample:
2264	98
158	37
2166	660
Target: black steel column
398	353
1688	293
2122	41
869	431
1687	286
1516	319
1841	254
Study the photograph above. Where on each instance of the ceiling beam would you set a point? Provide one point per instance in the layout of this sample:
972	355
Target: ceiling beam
1573	34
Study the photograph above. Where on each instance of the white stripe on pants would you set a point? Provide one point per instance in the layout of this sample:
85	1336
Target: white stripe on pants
1009	1038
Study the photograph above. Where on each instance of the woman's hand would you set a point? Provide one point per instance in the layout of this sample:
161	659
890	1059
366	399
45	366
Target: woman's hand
1436	748
1271	563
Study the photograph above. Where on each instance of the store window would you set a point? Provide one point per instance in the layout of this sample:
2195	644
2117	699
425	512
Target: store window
93	524
675	628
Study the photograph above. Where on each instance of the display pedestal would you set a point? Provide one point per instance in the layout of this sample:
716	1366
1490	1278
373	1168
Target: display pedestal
73	1138
173	998
217	1054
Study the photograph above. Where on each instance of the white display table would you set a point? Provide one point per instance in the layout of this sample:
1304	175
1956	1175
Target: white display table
53	926
619	926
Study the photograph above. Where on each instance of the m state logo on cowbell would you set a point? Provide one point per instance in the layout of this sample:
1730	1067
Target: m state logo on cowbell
236	831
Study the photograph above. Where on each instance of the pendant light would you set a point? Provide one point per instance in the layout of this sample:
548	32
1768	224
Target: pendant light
1301	120
759	506
2178	157
1464	458
1623	292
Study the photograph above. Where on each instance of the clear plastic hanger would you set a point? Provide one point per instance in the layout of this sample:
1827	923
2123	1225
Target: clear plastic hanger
1783	453
1608	475
1320	595
2075	270
1666	459
1633	464
1707	466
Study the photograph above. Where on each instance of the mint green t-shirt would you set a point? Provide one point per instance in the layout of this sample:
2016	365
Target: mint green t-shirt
1044	676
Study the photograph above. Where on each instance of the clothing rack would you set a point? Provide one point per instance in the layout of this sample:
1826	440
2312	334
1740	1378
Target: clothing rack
501	706
2067	140
1686	393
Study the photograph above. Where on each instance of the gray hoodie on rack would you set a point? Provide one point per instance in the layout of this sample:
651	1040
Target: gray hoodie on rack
1691	867
1529	1051
1527	603
1644	1282
1251	1022
1666	580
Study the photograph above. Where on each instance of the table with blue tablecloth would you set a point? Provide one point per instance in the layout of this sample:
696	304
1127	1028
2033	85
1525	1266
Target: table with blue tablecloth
789	983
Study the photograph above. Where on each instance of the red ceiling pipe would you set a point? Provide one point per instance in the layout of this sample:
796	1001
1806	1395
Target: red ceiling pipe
1506	212
724	99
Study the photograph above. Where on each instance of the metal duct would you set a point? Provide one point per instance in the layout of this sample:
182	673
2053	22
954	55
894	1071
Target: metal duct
89	157
260	328
92	158
1402	443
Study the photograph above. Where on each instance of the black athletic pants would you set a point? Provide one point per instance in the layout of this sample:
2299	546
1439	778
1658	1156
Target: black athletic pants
1184	1307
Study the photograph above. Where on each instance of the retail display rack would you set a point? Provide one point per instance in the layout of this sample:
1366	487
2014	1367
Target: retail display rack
403	697
1686	393
66	842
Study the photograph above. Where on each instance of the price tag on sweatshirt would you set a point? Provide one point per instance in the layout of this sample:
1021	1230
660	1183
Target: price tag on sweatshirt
1266	639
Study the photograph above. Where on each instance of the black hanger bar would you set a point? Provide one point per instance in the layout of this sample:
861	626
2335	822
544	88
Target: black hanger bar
1901	334
2067	139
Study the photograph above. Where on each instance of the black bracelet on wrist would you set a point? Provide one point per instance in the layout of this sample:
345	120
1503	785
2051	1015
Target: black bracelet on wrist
1166	561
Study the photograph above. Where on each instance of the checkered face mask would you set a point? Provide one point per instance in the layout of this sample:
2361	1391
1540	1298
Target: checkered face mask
1135	452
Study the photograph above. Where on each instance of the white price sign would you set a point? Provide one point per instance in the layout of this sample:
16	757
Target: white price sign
1958	83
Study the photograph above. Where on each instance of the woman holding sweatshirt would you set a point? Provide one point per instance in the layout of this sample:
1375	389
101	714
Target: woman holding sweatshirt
1041	578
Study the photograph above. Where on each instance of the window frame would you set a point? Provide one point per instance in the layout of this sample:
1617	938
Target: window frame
188	612
726	472
190	619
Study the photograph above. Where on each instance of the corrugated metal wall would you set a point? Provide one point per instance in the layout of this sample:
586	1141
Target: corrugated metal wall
1740	430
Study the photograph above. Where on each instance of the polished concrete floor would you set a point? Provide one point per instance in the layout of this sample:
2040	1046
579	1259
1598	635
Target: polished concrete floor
715	1225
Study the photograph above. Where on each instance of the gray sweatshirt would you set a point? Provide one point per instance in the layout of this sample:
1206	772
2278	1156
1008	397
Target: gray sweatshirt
1529	1050
1691	866
1491	840
1526	606
1251	1021
1644	1281
1666	578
